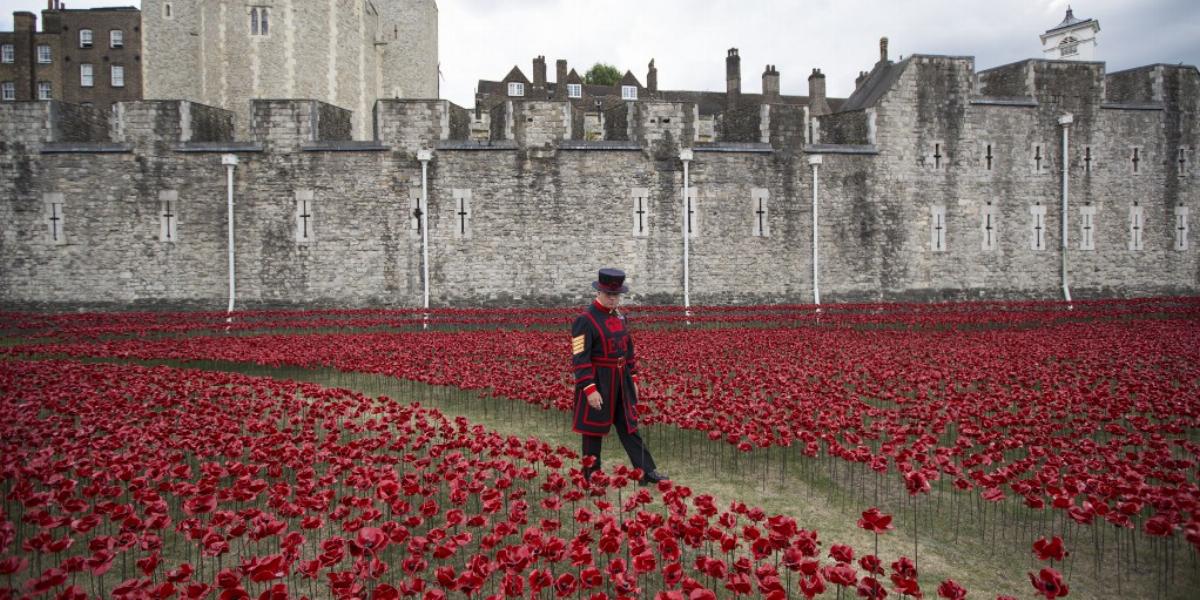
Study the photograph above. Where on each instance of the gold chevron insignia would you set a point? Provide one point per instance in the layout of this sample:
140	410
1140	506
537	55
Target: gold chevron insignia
577	345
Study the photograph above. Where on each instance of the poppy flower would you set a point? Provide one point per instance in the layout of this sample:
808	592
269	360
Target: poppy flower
951	590
1049	583
1049	549
875	521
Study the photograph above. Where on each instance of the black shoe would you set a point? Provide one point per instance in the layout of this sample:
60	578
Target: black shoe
654	477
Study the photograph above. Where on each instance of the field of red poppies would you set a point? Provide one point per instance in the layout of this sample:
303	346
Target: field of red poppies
1061	433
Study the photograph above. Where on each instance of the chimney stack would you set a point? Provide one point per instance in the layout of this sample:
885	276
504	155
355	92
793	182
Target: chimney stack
858	81
652	78
770	84
539	72
817	105
560	79
883	55
733	78
24	22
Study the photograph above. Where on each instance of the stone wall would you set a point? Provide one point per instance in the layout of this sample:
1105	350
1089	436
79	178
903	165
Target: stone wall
530	216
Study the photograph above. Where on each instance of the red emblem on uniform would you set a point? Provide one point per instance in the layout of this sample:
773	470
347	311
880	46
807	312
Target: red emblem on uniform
615	324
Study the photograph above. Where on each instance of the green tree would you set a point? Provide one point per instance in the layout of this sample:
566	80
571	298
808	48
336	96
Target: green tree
602	74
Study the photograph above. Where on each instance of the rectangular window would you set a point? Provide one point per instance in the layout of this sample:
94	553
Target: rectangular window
1037	227
1181	228
1087	227
118	76
168	218
260	20
574	90
85	38
988	227
937	228
516	88
7	54
85	75
116	38
8	91
1137	225
44	91
641	212
43	54
462	213
305	232
760	212
629	92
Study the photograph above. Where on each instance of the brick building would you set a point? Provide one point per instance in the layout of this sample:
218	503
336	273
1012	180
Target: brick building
90	57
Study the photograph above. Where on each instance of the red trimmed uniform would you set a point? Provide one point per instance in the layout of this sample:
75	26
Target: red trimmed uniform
603	359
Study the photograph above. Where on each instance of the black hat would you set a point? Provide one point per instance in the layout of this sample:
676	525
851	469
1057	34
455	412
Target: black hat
611	281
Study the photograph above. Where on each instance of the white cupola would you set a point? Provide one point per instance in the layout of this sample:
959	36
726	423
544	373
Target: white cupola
1072	39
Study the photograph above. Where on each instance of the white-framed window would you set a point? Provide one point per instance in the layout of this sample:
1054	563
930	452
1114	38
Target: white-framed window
85	75
629	92
8	91
85	38
118	76
43	54
8	53
516	88
44	91
574	90
260	20
167	12
116	38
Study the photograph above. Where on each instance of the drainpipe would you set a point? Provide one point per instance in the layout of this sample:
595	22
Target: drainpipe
685	155
230	161
425	155
815	161
1065	121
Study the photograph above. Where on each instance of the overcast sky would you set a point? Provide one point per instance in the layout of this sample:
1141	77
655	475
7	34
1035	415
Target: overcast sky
483	39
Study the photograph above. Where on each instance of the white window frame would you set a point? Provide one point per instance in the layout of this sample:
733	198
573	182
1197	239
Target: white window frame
45	91
44	56
116	38
516	88
117	76
629	92
8	91
85	38
8	54
574	90
87	75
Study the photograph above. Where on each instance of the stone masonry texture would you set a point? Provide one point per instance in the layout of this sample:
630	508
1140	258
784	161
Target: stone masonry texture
548	207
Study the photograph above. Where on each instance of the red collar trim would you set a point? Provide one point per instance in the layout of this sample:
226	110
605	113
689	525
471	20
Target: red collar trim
601	307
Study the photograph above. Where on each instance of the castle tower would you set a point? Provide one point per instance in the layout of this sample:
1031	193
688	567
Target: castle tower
226	53
1072	39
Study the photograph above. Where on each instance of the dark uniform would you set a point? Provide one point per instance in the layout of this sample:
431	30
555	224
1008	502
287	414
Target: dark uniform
603	359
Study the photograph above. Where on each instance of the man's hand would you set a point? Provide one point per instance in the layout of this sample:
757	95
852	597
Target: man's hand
594	400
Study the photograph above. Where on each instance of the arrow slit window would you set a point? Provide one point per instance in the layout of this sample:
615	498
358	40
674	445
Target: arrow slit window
760	212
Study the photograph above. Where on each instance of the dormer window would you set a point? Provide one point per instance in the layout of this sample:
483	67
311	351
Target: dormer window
574	90
516	88
1069	46
629	92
